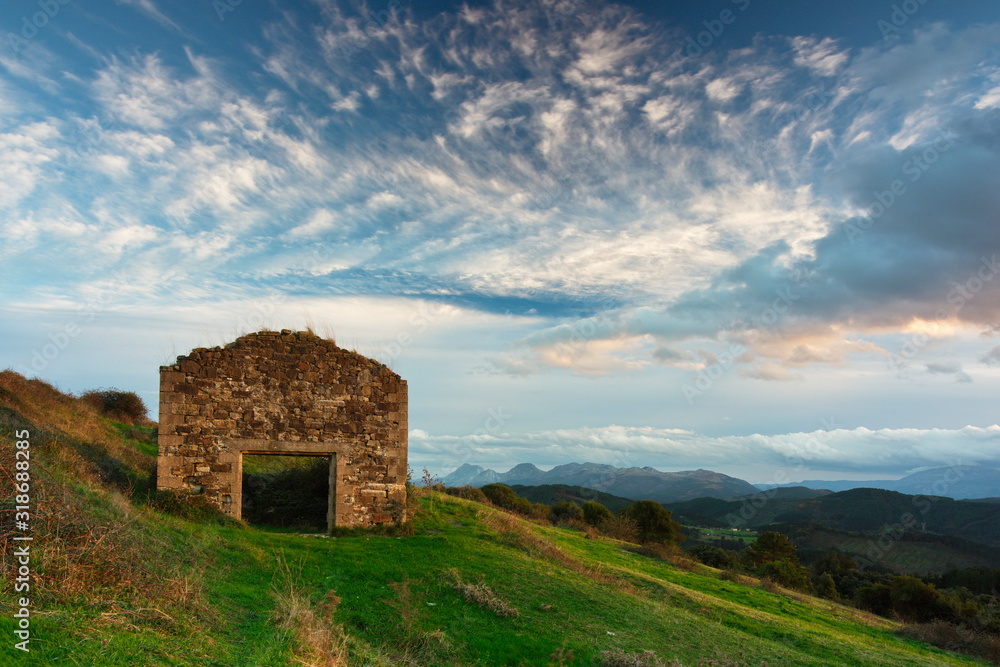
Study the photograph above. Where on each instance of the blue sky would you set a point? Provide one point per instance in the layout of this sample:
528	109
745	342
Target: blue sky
757	237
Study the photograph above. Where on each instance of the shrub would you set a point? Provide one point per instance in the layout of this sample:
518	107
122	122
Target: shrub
621	527
191	506
482	595
876	599
787	573
123	406
654	522
834	562
712	556
619	658
504	497
916	600
953	638
565	511
595	513
539	512
468	492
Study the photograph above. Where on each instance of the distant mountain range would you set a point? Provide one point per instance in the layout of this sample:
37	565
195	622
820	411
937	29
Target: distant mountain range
958	482
634	483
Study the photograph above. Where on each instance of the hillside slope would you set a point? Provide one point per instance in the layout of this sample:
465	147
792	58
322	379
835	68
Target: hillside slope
862	510
125	577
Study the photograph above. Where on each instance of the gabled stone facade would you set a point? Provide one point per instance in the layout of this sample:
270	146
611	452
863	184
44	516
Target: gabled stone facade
289	393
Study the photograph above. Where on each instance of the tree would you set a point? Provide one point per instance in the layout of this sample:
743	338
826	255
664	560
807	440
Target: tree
595	513
654	522
916	600
876	599
770	547
834	563
826	588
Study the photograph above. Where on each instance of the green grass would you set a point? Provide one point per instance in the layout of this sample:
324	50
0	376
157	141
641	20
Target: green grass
119	582
711	535
672	611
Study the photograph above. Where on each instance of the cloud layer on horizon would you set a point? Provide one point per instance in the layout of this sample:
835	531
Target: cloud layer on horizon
853	453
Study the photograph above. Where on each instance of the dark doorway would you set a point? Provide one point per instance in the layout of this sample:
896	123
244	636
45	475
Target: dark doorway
287	492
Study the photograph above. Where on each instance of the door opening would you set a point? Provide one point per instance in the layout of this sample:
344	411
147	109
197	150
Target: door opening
289	492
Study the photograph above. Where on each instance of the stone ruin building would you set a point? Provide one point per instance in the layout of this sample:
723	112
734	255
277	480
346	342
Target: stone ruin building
287	393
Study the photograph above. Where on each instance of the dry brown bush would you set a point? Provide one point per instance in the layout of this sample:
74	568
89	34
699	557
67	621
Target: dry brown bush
96	551
482	595
619	658
123	406
320	642
621	527
956	638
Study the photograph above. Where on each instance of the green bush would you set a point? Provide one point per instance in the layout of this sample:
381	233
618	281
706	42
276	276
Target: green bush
877	599
788	573
654	522
594	513
713	556
917	601
539	511
504	497
468	492
565	511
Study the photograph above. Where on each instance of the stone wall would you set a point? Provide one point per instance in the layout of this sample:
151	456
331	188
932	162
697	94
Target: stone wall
290	393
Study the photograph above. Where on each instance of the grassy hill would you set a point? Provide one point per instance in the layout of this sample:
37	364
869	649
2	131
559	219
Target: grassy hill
125	576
